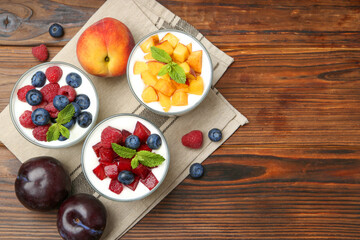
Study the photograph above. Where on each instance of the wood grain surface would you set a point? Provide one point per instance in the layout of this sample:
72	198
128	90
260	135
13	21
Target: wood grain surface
292	173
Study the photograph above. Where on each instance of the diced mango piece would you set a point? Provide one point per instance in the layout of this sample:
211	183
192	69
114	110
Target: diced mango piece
196	86
195	61
148	57
148	43
181	86
181	53
154	67
166	77
173	40
139	67
165	101
148	78
190	73
165	87
166	46
189	47
179	98
149	95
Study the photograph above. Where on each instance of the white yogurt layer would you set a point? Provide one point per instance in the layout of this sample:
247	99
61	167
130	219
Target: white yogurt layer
89	160
138	85
77	133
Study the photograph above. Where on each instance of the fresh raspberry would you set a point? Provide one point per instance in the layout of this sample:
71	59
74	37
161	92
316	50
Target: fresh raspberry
142	132
22	92
49	91
110	135
53	74
193	139
68	92
39	132
41	105
52	110
40	52
25	120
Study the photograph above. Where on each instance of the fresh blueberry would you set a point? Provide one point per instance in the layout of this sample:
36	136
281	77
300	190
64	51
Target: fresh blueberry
60	102
62	138
38	79
77	109
84	119
215	135
69	124
196	170
154	141
83	101
34	97
74	80
132	142
126	177
56	30
40	117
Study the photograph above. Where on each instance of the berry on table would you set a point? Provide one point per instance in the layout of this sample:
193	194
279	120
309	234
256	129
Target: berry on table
84	119
40	52
34	97
49	91
74	80
53	74
77	109
38	79
60	102
154	141
56	30
193	139
25	120
39	132
215	135
83	101
68	92
126	177
110	135
23	91
40	117
196	170
132	142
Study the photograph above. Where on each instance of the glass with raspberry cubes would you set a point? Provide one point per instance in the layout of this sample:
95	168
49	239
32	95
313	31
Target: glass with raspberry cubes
123	173
41	93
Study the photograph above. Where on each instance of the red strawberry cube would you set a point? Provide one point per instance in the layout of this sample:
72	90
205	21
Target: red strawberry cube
142	132
125	134
144	147
110	135
111	170
134	184
141	171
123	164
97	148
99	172
150	181
116	186
107	155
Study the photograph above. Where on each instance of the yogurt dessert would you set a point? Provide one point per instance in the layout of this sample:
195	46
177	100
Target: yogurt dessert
54	105
169	72
125	158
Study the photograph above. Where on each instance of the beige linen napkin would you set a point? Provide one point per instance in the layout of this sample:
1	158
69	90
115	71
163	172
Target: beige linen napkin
142	17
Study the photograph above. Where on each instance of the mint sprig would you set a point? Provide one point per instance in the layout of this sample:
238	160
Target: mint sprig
57	128
146	158
176	72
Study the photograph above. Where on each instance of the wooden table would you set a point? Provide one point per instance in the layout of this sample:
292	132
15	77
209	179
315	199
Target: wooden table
292	173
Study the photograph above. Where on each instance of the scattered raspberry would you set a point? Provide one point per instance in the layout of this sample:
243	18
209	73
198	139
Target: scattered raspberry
39	132
25	120
41	105
53	74
68	92
52	110
40	52
110	135
193	139
22	92
49	91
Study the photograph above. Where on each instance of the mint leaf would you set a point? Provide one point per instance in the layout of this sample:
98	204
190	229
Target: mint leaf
163	70
53	133
135	162
177	73
123	152
160	55
66	114
64	131
150	159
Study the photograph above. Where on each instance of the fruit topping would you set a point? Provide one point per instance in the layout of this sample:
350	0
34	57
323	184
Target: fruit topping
134	184
142	132
68	92
150	181
56	30
196	170
52	110
60	102
193	139
84	120
141	171
111	171
34	97
132	142
69	124
38	79
110	135
97	148
43	104
144	147
106	155
39	132
123	164
126	177
100	172
40	117
40	52
53	74
154	141
25	120
116	186
49	91
125	134
83	101
23	91
62	138
215	135
74	80
77	109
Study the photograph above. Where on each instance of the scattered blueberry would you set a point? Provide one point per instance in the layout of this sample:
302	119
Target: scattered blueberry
74	80
196	170
38	79
77	109
69	124
34	97
60	102
215	135
154	141
83	101
62	138
40	117
132	142
84	119
126	177
56	30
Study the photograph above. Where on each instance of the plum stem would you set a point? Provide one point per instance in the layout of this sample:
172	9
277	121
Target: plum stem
93	231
